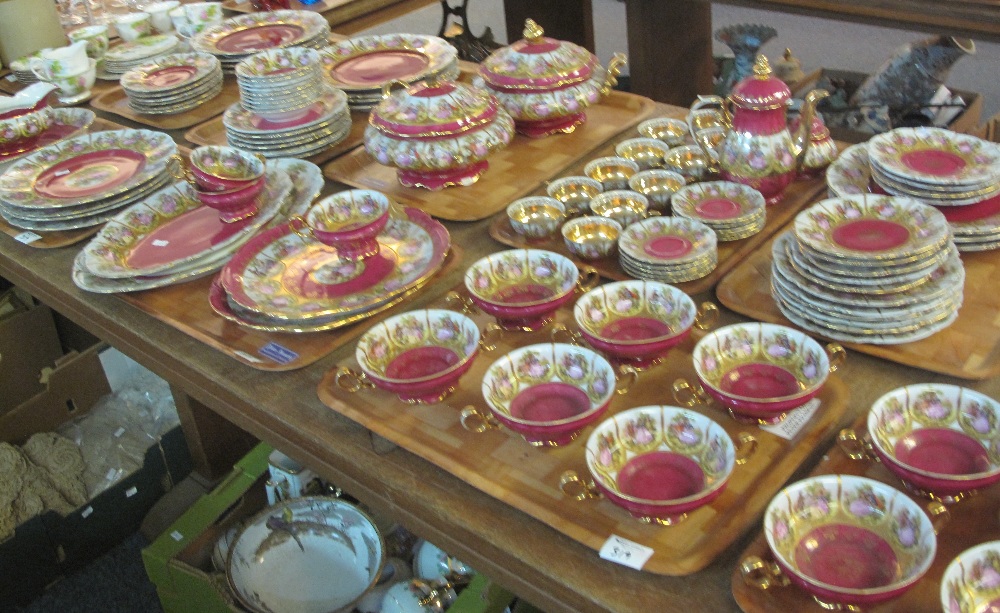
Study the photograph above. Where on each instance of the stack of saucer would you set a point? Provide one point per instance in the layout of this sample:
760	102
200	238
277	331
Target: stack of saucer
237	38
668	249
21	70
127	56
361	66
285	108
869	268
735	211
173	83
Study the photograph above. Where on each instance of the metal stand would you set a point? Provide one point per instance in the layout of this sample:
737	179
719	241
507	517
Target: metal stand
470	48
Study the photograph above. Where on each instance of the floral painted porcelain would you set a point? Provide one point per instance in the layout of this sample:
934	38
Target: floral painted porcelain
367	63
848	540
546	84
935	156
247	34
437	134
24	118
972	580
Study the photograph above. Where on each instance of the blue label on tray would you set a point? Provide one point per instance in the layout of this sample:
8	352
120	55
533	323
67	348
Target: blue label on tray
281	355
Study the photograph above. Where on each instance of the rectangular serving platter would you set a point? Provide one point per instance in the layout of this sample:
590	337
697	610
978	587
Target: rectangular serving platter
972	521
969	348
514	171
115	101
503	465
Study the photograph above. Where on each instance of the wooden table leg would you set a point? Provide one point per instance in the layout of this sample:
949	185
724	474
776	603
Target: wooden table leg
670	49
215	443
571	20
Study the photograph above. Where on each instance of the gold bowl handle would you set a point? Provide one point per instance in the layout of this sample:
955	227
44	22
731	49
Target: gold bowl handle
837	355
457	302
351	380
689	395
625	378
618	61
475	421
588	279
562	334
939	514
856	448
746	446
576	488
491	336
707	316
760	574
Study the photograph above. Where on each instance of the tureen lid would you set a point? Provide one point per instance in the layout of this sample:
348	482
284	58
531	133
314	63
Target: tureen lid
433	108
537	62
761	90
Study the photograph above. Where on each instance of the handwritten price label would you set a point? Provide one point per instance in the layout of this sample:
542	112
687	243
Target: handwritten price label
625	552
793	423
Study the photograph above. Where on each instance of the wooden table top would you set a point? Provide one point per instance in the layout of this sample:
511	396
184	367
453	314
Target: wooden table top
535	561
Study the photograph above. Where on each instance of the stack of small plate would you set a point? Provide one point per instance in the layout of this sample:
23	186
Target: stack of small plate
237	38
868	268
22	71
668	249
974	227
127	56
735	211
86	180
173	83
361	66
284	280
286	109
170	237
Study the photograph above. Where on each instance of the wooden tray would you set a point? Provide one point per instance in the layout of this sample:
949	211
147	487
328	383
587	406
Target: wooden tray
213	132
115	101
513	172
968	348
973	521
798	196
503	465
185	307
63	238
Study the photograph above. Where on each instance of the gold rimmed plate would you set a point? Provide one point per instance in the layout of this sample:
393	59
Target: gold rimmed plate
366	63
248	34
935	156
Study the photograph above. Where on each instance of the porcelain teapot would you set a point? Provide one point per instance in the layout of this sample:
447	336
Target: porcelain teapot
754	145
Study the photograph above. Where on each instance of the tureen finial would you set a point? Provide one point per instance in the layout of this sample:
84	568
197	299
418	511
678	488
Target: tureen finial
532	31
762	69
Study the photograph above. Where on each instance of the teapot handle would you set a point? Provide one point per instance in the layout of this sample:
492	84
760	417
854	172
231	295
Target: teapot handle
704	101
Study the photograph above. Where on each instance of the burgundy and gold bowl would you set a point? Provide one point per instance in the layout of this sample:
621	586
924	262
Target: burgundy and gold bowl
637	322
942	441
418	355
660	463
233	204
221	168
972	580
547	393
522	288
848	541
350	221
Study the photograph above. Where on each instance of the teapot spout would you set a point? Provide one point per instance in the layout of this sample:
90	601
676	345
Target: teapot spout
800	140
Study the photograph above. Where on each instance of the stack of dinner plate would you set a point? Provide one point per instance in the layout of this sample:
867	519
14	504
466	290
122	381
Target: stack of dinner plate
868	268
237	38
361	66
127	56
286	109
173	83
668	249
735	211
85	180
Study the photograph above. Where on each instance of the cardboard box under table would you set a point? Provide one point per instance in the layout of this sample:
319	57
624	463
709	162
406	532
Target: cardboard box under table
48	546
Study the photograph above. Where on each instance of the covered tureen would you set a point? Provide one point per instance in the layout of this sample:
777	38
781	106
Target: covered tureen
437	133
545	84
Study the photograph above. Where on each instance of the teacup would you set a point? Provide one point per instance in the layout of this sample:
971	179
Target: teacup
59	62
848	541
623	206
940	440
203	13
159	14
658	462
611	172
637	322
218	168
350	221
647	153
431	563
670	131
690	162
536	216
759	371
233	204
546	393
96	37
76	88
970	581
178	18
658	186
419	355
575	193
133	26
522	288
591	237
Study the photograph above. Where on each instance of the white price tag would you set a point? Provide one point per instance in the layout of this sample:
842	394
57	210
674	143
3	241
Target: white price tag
119	432
792	424
27	237
60	173
87	512
111	475
132	491
160	243
625	552
11	77
248	357
177	536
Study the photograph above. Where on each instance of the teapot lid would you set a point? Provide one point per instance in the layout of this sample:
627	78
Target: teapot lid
433	108
538	63
761	90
